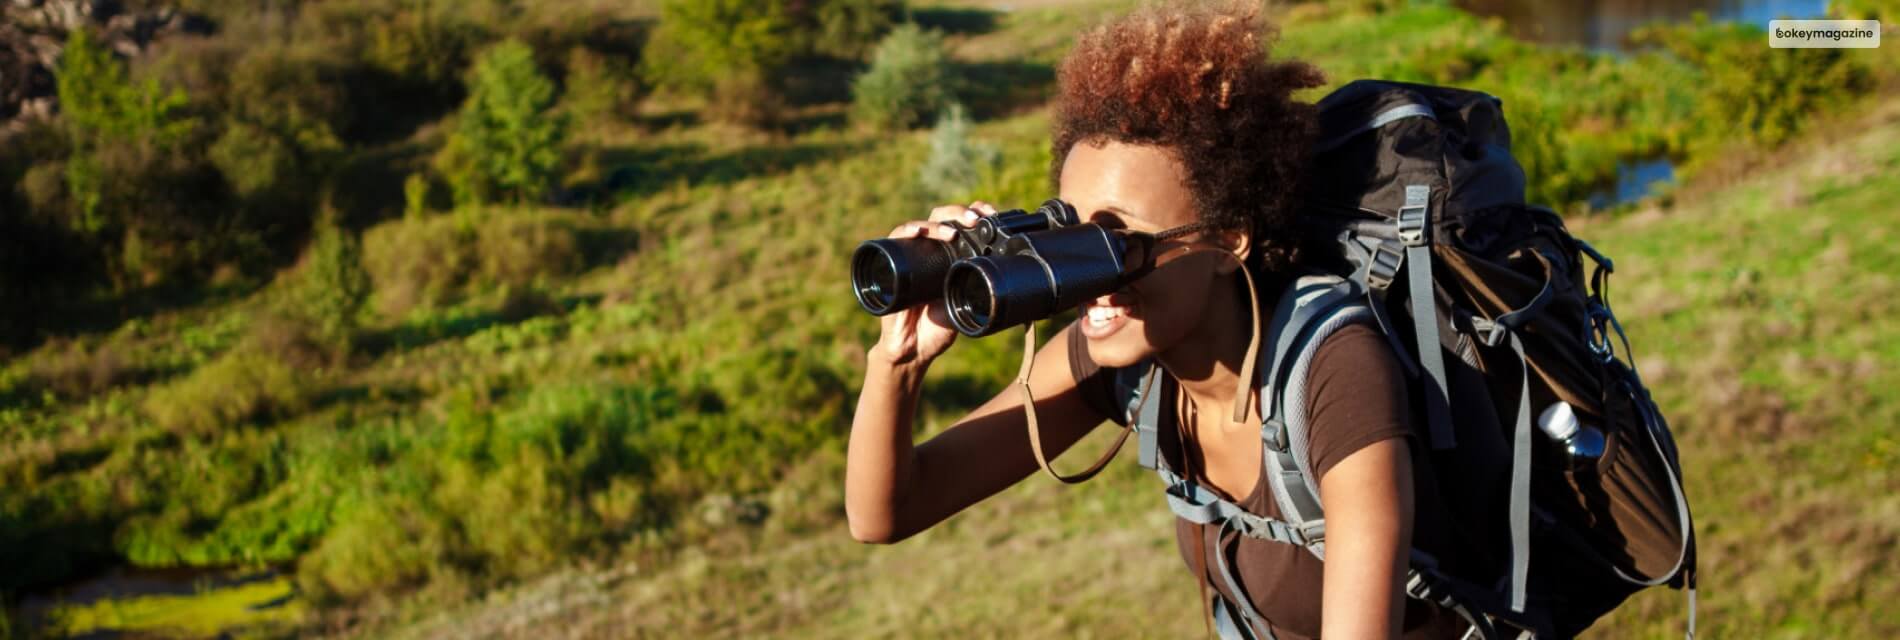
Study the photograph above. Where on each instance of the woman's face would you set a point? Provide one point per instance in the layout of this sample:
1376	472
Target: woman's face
1144	188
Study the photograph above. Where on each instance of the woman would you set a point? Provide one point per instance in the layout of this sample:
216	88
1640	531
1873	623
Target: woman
1166	118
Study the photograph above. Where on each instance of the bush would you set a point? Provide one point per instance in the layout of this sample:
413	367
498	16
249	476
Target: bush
597	87
433	261
956	162
845	28
1767	93
241	386
331	287
506	145
101	108
698	42
908	81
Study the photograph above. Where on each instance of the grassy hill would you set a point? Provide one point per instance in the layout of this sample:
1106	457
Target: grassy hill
626	417
1761	312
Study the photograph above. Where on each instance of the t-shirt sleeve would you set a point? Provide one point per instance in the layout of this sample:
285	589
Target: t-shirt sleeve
1356	396
1095	383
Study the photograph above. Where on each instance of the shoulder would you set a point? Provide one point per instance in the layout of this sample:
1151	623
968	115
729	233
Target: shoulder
1356	395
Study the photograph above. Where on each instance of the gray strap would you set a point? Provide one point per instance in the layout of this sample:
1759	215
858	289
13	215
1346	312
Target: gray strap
1148	422
1197	505
1520	507
1414	218
1388	116
1254	620
1290	321
1224	622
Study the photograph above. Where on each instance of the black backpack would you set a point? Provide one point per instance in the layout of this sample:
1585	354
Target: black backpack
1438	248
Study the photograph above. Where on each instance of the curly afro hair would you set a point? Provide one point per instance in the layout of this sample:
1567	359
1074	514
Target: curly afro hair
1197	79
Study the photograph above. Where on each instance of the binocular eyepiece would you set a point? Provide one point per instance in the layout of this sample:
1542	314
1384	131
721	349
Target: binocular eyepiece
1008	269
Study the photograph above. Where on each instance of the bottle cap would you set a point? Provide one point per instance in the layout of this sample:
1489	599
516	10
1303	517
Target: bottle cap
1558	420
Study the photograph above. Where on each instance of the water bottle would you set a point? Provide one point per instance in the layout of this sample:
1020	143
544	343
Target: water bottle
1582	444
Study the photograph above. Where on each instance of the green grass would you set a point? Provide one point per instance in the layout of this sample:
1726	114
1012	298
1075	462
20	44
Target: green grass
628	417
259	607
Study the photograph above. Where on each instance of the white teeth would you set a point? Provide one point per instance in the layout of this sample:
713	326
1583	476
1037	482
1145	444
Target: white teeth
1099	316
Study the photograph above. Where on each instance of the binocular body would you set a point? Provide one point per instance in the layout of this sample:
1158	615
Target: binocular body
1008	269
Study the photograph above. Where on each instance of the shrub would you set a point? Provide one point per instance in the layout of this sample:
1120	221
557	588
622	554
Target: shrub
698	42
956	162
243	385
331	287
432	261
597	87
844	28
101	108
506	145
908	81
1767	93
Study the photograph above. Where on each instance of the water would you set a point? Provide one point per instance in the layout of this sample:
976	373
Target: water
1603	25
1633	181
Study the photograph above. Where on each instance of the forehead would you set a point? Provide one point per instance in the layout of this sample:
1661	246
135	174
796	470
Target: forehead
1144	186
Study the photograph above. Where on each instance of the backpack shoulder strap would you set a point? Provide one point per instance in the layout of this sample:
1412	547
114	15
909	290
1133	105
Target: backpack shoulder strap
1311	311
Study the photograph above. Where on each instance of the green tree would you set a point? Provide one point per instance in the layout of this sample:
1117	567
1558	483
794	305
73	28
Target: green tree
507	143
698	43
101	108
908	81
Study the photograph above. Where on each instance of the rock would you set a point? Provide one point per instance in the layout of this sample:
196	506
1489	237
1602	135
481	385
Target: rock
32	32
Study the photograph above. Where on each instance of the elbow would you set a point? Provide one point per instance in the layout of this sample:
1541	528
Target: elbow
875	526
870	530
871	534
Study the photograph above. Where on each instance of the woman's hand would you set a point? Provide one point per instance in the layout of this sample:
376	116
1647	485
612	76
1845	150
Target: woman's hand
923	332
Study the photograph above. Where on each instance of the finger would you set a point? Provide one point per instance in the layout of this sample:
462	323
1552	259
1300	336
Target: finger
943	232
911	229
984	208
947	213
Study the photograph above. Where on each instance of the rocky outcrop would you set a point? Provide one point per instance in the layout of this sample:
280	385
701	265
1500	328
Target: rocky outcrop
33	31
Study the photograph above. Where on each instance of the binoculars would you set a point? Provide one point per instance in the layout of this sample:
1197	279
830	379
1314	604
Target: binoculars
1005	270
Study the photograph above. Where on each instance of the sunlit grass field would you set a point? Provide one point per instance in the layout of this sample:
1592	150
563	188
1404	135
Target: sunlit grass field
641	433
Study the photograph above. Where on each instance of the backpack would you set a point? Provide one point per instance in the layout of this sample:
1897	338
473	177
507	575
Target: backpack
1437	248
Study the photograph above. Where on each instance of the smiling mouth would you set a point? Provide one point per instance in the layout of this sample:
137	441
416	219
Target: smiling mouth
1105	315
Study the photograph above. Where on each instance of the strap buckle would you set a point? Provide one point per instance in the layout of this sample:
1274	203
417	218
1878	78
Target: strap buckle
1413	216
1384	265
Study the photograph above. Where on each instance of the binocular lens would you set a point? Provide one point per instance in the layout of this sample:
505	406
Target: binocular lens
972	301
990	293
892	274
875	279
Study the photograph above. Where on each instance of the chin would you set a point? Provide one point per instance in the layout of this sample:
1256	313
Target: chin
1124	349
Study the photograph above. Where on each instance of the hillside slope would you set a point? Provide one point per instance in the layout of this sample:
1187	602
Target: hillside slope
1762	313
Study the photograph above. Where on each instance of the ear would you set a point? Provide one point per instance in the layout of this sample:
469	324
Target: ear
1237	242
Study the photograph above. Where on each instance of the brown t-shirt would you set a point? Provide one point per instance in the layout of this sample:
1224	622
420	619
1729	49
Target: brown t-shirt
1356	396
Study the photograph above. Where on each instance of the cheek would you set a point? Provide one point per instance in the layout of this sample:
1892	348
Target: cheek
1171	305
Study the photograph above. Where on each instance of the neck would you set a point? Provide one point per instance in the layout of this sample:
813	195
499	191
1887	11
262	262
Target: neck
1207	363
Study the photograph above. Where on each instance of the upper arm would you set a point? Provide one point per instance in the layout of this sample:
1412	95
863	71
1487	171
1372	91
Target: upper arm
988	449
1360	426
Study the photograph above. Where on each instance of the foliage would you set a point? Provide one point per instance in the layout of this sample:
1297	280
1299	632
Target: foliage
1765	93
908	81
101	108
700	42
507	144
237	388
956	163
597	87
332	286
425	262
844	28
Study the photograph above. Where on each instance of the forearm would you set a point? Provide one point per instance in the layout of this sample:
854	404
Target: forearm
880	456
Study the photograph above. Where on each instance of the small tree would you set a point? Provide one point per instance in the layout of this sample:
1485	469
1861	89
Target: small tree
101	108
908	81
507	143
956	162
700	42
